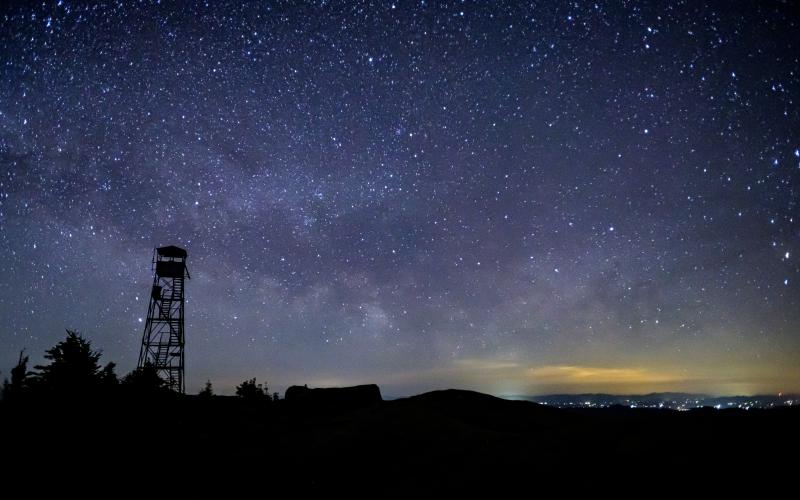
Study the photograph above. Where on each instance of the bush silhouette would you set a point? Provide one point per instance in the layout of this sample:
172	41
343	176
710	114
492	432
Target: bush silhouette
251	391
144	381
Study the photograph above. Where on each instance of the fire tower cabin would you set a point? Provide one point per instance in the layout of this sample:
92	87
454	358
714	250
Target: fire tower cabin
175	267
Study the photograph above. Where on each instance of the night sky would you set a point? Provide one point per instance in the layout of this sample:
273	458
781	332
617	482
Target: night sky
517	199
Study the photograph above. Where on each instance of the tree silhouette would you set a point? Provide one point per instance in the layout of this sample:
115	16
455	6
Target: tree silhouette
74	368
20	379
108	377
251	391
207	391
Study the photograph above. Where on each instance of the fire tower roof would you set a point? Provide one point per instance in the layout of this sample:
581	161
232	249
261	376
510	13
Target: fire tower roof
172	251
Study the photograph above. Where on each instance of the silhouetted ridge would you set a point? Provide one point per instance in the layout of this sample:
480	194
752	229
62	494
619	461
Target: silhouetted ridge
476	410
458	399
459	396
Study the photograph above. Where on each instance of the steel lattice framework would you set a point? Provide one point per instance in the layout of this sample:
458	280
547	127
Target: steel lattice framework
163	339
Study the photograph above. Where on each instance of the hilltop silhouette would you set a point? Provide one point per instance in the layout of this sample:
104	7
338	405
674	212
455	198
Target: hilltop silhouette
350	438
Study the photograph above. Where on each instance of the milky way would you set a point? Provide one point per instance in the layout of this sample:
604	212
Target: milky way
511	198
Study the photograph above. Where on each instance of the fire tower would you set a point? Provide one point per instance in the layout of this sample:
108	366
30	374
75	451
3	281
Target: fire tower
163	340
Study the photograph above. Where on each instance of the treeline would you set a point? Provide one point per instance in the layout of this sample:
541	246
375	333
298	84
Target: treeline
73	371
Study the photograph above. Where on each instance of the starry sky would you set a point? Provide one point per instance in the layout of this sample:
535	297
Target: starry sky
517	198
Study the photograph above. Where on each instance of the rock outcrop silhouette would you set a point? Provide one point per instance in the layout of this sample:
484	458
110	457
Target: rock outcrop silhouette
339	398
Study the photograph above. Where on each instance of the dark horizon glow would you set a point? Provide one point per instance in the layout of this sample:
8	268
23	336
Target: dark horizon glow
517	199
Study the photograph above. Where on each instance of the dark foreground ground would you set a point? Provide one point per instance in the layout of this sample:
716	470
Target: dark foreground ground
444	439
